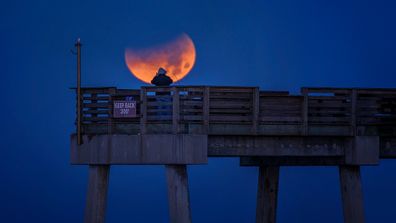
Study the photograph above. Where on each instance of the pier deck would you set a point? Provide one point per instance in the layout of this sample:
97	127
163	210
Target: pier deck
181	125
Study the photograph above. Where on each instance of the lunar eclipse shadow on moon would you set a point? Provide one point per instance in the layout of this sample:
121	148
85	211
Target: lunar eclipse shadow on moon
177	57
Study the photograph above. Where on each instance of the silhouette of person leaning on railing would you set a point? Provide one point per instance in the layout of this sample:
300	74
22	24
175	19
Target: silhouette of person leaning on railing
162	80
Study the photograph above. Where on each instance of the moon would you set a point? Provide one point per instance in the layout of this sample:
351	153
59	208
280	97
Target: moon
177	57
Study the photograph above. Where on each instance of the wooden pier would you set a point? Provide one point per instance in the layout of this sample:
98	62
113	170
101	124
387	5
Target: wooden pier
182	125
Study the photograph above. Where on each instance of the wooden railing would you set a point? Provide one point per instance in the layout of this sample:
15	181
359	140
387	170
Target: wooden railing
97	109
315	111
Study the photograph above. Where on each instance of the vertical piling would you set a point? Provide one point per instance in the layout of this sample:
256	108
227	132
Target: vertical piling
79	101
267	194
97	194
352	195
178	195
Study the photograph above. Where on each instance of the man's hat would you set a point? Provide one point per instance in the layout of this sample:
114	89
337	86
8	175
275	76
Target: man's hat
161	71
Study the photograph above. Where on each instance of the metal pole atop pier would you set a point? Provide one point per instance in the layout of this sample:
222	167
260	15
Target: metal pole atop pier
78	47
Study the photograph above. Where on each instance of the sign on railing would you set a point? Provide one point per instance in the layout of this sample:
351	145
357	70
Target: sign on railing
124	109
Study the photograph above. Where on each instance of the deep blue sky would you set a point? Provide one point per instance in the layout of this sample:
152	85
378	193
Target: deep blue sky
277	45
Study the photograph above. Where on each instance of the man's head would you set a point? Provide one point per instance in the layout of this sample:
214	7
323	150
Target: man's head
161	71
161	79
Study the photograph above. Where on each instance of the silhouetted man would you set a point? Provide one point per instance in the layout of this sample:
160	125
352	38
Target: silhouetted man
161	79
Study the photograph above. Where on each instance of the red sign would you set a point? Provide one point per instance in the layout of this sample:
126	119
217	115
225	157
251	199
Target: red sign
124	109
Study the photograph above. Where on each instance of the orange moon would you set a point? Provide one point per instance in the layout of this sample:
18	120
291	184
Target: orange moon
176	57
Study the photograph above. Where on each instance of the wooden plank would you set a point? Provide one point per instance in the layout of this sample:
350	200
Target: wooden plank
158	103
328	112
159	96
372	98
96	119
157	89
280	100
326	129
280	96
274	93
95	98
154	111
175	111
280	119
192	117
353	111
132	121
246	91
154	149
127	92
280	107
316	119
96	105
178	194
375	121
267	194
143	110
328	104
231	89
191	103
191	89
206	107
190	98
292	161
110	127
370	113
249	145
368	104
229	104
281	113
160	117
352	195
256	109
389	98
304	111
376	114
230	118
107	111
344	99
187	110
326	90
104	90
95	208
377	91
231	111
229	96
331	98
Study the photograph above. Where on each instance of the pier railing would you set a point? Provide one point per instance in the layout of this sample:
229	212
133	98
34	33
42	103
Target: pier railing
229	110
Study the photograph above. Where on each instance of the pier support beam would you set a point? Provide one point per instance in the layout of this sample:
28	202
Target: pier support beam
352	195
178	195
267	194
97	194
